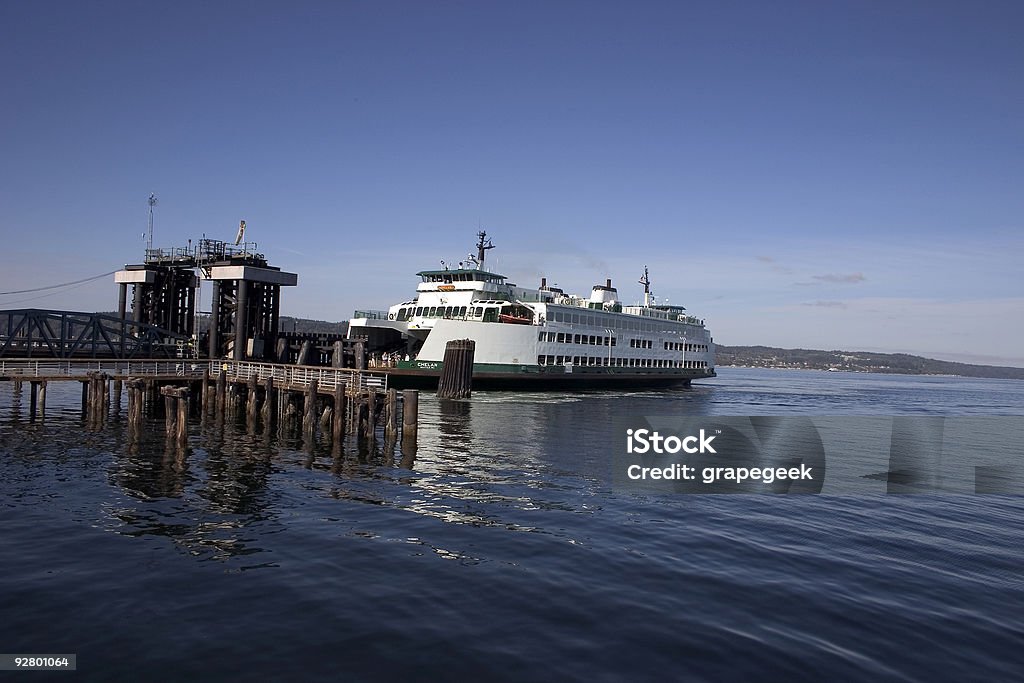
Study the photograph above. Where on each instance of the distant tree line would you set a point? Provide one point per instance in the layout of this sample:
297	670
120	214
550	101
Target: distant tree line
855	361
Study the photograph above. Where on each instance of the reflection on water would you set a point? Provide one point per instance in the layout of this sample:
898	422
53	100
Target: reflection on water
486	461
500	536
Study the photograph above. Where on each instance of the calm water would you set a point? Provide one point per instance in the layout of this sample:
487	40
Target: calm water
501	553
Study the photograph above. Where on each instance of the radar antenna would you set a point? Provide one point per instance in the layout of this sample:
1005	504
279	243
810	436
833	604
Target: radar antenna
646	282
482	245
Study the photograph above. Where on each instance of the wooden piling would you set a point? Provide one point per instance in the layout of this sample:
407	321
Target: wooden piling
338	427
305	354
182	431
360	355
204	392
33	398
268	405
250	404
371	415
456	379
391	416
170	412
222	388
410	417
309	411
135	400
42	398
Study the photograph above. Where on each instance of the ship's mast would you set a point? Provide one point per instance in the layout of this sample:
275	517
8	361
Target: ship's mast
482	245
646	282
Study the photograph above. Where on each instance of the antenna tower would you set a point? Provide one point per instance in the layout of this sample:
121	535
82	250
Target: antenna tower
149	236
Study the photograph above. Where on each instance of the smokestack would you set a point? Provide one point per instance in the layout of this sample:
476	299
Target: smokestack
543	282
608	283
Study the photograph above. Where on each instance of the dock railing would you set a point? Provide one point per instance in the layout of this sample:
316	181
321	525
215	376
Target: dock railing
284	375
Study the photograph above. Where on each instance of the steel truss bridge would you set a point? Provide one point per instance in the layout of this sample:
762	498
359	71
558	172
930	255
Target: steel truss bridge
37	333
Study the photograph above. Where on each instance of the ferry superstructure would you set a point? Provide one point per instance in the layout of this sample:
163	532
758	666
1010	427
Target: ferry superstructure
535	338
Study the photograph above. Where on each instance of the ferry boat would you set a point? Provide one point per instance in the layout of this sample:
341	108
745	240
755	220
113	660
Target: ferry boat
534	338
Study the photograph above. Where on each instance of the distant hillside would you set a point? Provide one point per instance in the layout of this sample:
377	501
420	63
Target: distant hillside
855	361
289	324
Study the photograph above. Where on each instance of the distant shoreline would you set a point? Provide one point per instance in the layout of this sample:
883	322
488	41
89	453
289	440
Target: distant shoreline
769	357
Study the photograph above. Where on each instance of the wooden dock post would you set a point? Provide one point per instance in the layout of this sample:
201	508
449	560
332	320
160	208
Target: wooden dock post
42	398
305	354
118	390
33	398
309	411
182	431
391	416
85	397
410	418
17	385
371	415
135	400
338	426
222	388
360	353
204	392
338	355
131	411
268	405
457	372
250	404
170	411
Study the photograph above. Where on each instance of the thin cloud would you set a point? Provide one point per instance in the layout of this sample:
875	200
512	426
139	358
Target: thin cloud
826	304
840	277
766	259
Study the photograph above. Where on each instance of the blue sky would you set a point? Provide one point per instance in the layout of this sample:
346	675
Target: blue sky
823	175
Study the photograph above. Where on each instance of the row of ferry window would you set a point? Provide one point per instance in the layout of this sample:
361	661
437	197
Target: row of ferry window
566	338
678	346
432	312
617	322
598	361
488	313
598	340
462	277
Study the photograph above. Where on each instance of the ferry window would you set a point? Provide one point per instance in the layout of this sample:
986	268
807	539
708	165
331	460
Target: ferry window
462	311
491	314
433	312
558	360
561	338
576	318
540	360
551	360
542	336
